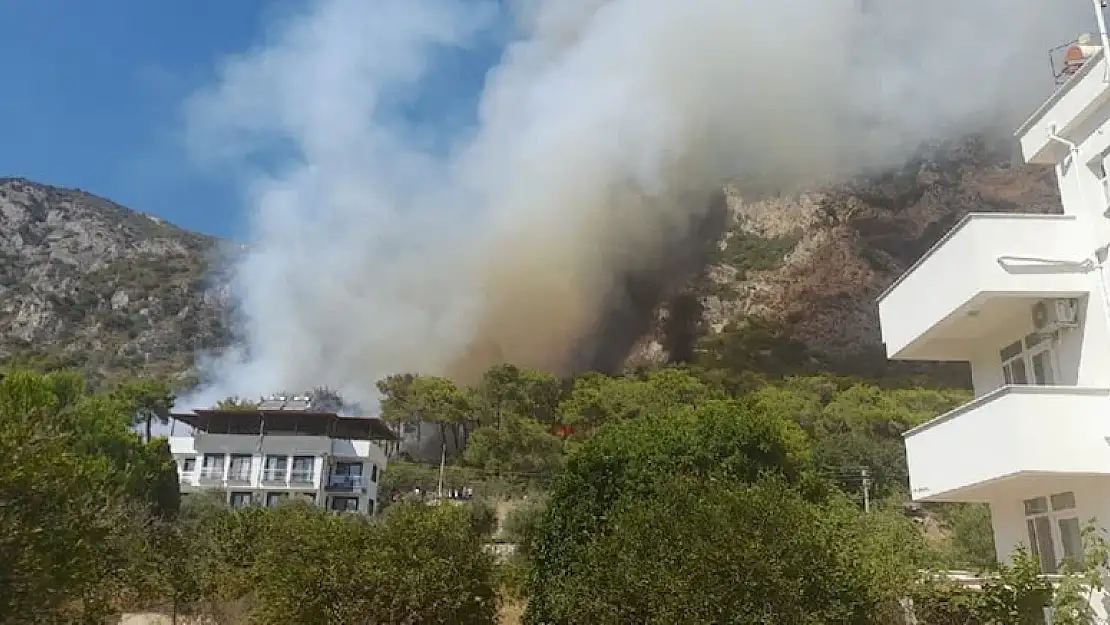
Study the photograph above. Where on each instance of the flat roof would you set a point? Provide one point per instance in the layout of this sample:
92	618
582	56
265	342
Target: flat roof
311	423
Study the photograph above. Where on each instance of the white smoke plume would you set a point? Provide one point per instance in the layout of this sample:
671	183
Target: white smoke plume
383	242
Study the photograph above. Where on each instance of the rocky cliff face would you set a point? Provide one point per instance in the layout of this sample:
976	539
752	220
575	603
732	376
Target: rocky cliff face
813	263
87	283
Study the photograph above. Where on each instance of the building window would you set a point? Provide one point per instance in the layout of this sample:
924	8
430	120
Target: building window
374	473
1053	528
1029	361
240	500
188	465
275	469
344	504
302	469
346	475
212	467
240	469
274	500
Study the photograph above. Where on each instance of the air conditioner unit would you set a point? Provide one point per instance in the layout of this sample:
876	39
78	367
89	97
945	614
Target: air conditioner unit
1055	314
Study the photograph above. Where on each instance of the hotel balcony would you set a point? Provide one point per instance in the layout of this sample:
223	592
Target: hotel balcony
987	271
1008	438
346	483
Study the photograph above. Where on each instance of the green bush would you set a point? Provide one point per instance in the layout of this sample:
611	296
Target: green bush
711	550
727	441
299	564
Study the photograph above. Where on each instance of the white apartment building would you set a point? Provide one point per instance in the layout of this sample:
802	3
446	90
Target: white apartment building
282	450
1024	299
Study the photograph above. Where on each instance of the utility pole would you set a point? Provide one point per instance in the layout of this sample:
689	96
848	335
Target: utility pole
865	474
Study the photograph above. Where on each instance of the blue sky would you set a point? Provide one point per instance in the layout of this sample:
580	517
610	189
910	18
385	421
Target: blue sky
93	94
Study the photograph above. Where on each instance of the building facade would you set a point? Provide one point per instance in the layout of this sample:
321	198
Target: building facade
267	456
1024	299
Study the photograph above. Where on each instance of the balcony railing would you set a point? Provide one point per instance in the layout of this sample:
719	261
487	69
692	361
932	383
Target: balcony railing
346	482
273	476
300	477
239	476
210	475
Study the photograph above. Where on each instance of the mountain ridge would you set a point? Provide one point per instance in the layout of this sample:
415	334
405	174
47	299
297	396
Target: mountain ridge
86	282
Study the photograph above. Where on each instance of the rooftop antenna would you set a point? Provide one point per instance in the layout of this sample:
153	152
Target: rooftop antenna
1100	16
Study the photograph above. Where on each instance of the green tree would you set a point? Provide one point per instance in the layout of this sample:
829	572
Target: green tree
752	348
596	399
149	400
396	404
440	400
854	425
520	446
506	389
76	491
730	440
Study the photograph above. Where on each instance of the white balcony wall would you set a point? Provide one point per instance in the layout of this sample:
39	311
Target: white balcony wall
1075	109
967	454
959	290
271	444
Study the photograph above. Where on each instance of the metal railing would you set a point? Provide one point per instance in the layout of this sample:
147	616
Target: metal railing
300	477
345	482
274	476
240	476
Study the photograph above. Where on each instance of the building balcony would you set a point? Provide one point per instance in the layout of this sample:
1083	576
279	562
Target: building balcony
274	477
991	445
1071	112
239	478
987	271
346	483
210	477
301	478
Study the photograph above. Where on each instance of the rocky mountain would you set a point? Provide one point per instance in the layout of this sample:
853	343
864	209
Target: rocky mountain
87	283
805	269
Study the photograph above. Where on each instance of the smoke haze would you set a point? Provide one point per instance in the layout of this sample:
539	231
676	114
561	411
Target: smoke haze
390	233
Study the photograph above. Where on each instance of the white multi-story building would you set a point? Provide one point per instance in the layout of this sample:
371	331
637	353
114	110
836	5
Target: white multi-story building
1023	299
282	450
